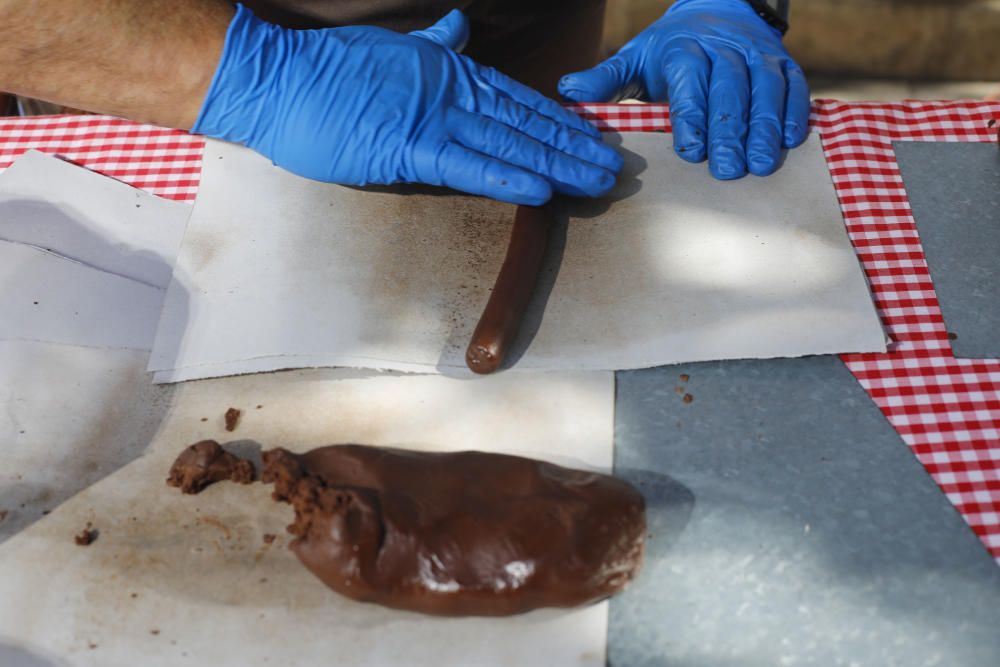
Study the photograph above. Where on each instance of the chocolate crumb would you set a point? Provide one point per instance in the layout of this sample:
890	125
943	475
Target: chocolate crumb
205	463
688	398
91	646
204	419
259	407
154	631
232	419
134	595
685	377
86	536
952	336
269	538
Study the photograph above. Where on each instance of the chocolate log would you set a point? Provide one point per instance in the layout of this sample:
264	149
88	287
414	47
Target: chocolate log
515	284
465	533
205	463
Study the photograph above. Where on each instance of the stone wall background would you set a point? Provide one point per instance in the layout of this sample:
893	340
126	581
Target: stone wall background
956	40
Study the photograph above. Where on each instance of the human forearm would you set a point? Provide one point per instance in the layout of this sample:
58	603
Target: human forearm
149	60
355	105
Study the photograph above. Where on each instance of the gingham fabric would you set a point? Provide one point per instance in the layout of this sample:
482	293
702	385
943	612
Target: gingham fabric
947	410
164	162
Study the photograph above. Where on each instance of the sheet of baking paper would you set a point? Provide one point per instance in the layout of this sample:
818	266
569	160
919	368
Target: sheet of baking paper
46	297
177	579
96	220
673	266
70	416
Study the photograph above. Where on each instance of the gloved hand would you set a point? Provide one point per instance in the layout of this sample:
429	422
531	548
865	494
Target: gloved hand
728	79
361	105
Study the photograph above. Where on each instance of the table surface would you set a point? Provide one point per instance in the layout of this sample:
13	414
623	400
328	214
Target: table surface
789	523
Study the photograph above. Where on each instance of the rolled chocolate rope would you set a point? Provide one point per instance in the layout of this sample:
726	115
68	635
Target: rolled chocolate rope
512	292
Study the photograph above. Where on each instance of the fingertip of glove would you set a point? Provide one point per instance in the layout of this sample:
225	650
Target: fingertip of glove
567	90
458	22
762	165
612	160
689	143
531	200
596	184
690	153
528	192
727	160
601	184
604	183
573	88
795	135
727	171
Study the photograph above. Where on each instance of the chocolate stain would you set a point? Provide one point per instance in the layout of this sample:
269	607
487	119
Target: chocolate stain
86	537
203	560
214	521
105	443
430	263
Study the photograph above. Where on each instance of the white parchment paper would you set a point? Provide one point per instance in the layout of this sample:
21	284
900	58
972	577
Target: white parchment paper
277	271
98	221
176	579
46	297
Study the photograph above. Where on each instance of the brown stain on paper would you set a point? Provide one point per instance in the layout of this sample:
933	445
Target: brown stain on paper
434	259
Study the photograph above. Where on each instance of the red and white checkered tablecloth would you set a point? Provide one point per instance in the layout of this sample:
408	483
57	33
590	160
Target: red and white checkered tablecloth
946	409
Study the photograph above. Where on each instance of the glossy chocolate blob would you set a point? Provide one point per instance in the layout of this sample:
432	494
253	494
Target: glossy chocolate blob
465	533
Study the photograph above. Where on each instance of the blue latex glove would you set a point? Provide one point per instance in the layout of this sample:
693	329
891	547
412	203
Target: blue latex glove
727	76
360	105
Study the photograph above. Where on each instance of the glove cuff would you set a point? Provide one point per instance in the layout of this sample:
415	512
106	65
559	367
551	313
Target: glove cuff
236	102
774	13
743	7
